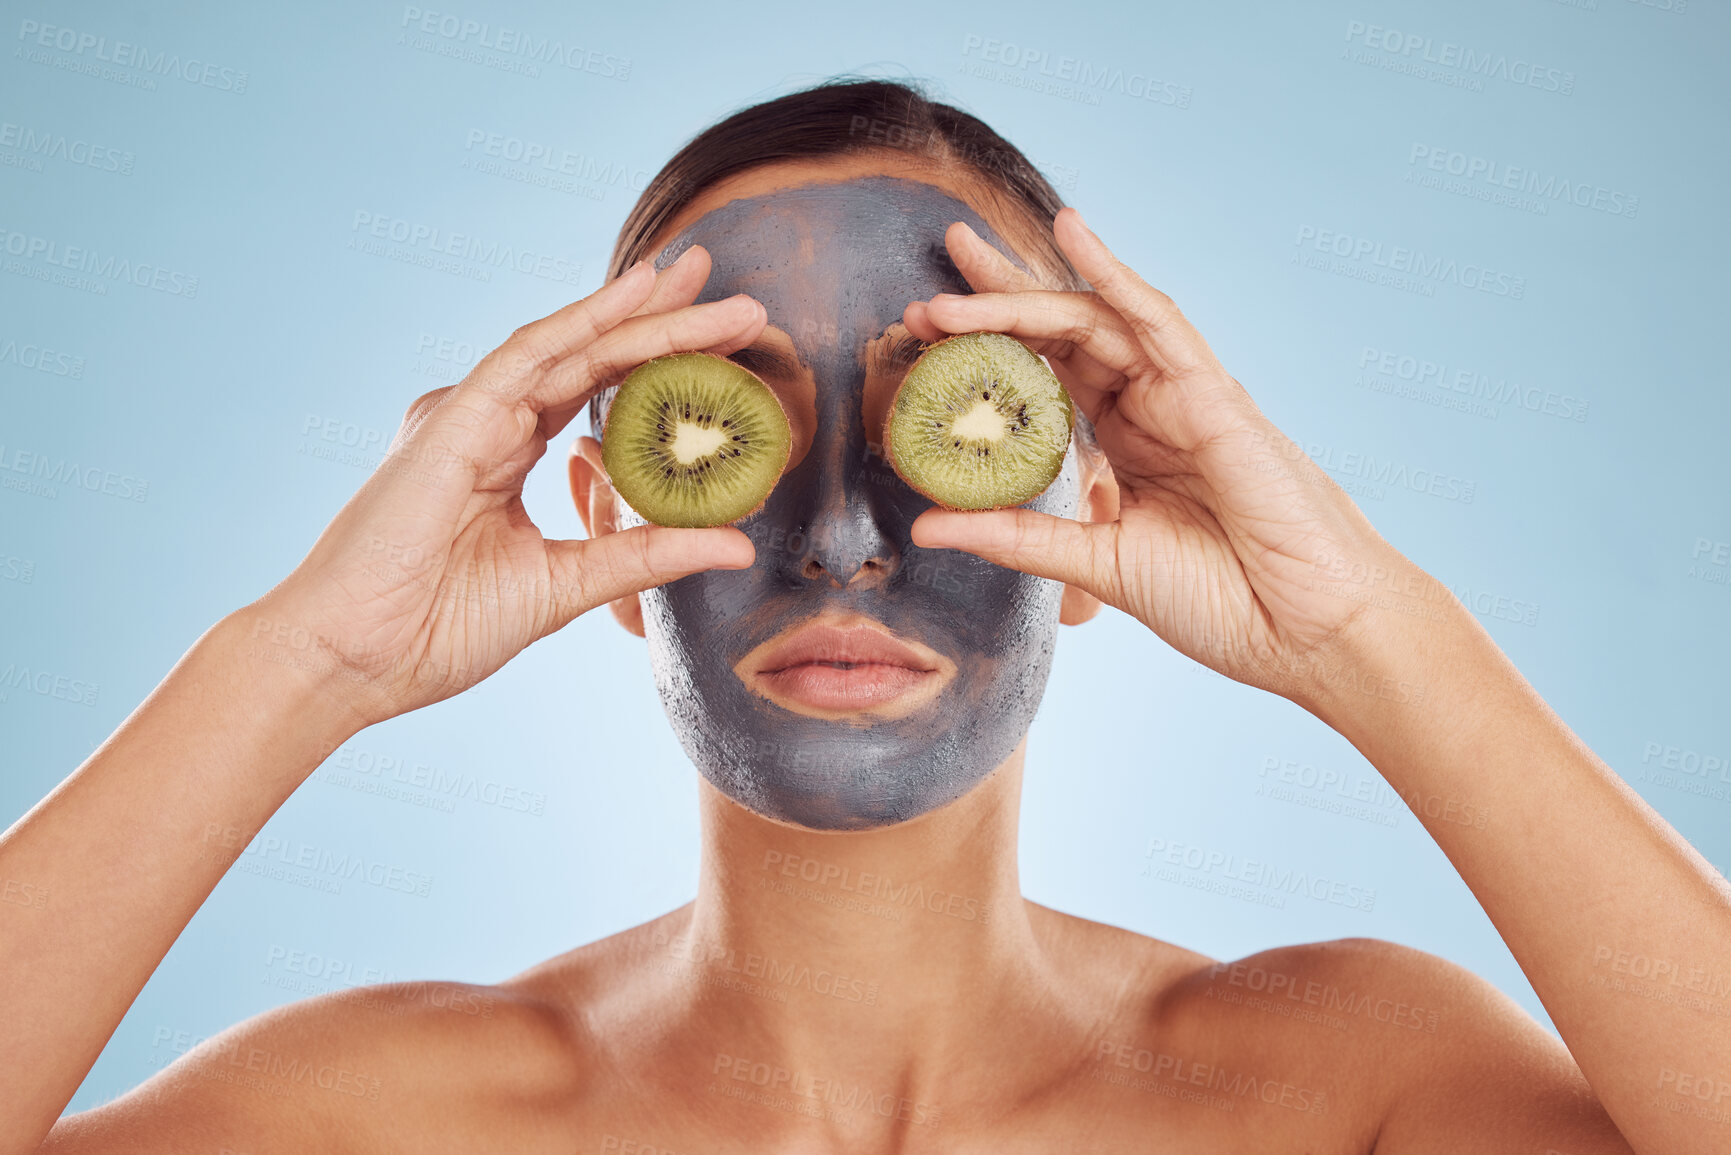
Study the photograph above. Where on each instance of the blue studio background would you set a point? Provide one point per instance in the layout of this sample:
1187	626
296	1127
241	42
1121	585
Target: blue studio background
1548	339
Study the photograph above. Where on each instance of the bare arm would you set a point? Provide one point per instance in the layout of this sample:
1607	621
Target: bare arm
125	850
428	580
1573	867
1238	550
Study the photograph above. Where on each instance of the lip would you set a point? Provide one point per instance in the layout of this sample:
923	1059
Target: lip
844	667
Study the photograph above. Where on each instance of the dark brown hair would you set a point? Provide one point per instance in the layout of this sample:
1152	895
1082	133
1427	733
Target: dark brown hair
845	117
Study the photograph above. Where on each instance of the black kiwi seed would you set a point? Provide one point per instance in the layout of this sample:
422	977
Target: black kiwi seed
949	381
670	406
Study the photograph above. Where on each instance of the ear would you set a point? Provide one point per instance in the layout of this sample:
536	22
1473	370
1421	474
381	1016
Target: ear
597	506
1099	503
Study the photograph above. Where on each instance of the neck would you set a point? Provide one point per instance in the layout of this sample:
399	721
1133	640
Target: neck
856	955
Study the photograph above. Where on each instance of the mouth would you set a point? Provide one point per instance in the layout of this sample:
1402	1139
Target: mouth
844	668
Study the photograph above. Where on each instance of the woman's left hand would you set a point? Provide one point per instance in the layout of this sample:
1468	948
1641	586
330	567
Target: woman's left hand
1230	544
1237	549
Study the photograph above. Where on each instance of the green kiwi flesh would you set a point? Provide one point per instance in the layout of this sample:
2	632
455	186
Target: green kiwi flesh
979	422
693	439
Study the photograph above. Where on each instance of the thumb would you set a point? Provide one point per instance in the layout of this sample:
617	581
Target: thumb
1061	548
595	571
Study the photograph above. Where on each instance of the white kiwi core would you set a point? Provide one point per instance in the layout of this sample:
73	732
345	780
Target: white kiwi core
691	441
983	423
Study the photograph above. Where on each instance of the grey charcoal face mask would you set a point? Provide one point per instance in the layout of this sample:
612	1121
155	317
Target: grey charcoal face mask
835	265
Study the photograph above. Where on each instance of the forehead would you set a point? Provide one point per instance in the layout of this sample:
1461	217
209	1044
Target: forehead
954	181
861	240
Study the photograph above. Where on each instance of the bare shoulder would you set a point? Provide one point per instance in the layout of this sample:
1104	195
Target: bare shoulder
1427	1054
1354	1044
370	1069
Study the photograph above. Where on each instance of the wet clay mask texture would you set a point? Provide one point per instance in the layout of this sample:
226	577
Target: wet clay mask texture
835	265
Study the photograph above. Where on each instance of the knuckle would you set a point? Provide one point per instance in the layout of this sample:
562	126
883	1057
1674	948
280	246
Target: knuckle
1082	327
460	414
1047	307
583	368
1152	303
425	403
502	374
450	436
527	349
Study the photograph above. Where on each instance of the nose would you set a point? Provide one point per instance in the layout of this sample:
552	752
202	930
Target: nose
846	546
845	543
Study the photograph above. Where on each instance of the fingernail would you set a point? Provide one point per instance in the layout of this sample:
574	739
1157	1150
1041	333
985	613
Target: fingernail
947	297
634	270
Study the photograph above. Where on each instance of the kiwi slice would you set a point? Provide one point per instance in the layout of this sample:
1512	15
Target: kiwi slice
979	422
694	439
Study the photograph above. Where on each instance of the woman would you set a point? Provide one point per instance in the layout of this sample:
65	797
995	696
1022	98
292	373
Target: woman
853	673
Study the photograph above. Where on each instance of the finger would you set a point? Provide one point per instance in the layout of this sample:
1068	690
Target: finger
484	434
592	573
510	371
674	287
915	319
981	264
1088	344
472	435
1087	381
1197	402
1059	548
678	284
1057	325
715	326
1170	339
990	271
555	418
418	411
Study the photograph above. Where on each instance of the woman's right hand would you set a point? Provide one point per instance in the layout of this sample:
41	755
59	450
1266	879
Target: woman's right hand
433	576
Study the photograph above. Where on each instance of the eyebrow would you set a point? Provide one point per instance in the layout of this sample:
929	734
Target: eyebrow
766	362
772	363
896	358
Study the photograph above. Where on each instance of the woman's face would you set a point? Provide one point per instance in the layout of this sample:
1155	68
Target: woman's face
849	679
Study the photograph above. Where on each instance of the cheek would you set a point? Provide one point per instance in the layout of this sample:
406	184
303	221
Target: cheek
1021	618
1001	608
951	599
715	616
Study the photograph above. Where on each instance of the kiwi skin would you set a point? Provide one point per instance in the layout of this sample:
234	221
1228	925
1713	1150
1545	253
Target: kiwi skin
732	367
889	448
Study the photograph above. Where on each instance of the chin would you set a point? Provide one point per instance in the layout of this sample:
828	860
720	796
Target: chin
993	631
861	789
858	773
